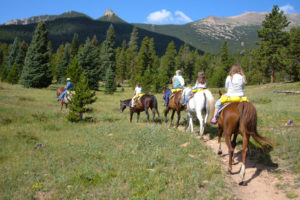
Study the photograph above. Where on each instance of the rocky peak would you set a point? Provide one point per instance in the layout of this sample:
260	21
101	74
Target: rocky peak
109	13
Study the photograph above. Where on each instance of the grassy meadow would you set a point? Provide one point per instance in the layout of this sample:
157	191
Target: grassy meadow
107	157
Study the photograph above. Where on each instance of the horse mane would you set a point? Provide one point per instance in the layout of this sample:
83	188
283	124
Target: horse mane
127	102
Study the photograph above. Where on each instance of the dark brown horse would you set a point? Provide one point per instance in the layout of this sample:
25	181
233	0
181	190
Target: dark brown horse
143	104
239	118
59	91
174	105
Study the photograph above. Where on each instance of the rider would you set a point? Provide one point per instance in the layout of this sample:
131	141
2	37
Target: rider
137	91
68	86
234	84
200	84
177	83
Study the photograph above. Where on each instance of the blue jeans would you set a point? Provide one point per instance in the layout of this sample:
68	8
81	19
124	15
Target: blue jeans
218	106
186	97
167	97
62	95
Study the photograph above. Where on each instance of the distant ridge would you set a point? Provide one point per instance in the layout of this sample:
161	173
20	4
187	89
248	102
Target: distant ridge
36	19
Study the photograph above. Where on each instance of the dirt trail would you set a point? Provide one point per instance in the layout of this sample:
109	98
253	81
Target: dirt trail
260	182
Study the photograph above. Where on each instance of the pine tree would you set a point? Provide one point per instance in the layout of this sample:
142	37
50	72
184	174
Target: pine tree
167	65
293	55
74	46
74	71
225	59
109	81
21	56
131	53
55	60
36	71
88	59
121	63
63	64
13	53
108	57
273	40
94	40
13	75
80	100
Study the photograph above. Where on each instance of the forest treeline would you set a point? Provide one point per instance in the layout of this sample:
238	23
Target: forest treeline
276	58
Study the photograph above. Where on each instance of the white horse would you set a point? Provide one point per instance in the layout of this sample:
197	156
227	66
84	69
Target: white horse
202	102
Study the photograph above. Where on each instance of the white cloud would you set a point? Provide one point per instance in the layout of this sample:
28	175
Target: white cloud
166	17
181	17
287	9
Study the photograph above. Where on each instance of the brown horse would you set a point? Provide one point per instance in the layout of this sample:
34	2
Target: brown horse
174	105
143	104
59	91
239	118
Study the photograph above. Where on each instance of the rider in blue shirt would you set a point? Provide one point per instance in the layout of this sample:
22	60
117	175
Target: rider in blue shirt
69	87
177	83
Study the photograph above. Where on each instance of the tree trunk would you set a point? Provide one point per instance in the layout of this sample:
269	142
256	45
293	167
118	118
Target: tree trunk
272	72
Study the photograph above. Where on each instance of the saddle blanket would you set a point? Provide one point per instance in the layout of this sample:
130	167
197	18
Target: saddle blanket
230	99
176	90
198	90
138	96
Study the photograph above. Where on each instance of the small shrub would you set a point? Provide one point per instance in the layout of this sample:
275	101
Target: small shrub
39	116
5	120
22	98
291	195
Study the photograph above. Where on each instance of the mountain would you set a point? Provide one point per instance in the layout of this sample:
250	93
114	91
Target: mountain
62	29
209	33
37	19
206	34
110	16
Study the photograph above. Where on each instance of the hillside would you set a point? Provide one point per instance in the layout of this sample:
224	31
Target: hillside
209	33
61	30
206	34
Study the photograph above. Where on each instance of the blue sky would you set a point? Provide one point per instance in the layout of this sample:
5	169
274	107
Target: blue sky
139	11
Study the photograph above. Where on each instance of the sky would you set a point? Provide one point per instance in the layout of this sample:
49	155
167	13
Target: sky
140	11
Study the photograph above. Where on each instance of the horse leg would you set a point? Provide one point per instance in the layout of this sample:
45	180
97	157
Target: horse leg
166	114
228	133
172	116
199	116
131	114
146	111
138	116
187	126
61	105
178	118
244	154
153	113
220	131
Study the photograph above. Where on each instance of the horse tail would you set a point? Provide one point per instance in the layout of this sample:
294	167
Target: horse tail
155	104
210	103
248	121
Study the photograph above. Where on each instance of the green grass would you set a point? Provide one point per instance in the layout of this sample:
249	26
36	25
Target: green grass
108	158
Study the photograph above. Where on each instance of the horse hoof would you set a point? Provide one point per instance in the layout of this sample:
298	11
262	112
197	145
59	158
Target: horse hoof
242	183
219	152
229	171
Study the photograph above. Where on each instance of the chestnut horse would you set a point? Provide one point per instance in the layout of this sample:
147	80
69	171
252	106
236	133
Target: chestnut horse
174	104
59	91
143	104
239	118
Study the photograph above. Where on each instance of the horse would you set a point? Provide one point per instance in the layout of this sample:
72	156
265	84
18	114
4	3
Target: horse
239	118
143	104
175	104
66	98
202	102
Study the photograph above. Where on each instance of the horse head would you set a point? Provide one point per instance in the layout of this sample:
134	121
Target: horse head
123	105
220	93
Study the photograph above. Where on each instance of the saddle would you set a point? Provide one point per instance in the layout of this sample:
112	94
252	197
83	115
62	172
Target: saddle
136	98
230	99
173	92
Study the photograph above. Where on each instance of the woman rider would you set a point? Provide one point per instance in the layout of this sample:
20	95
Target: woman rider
177	83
